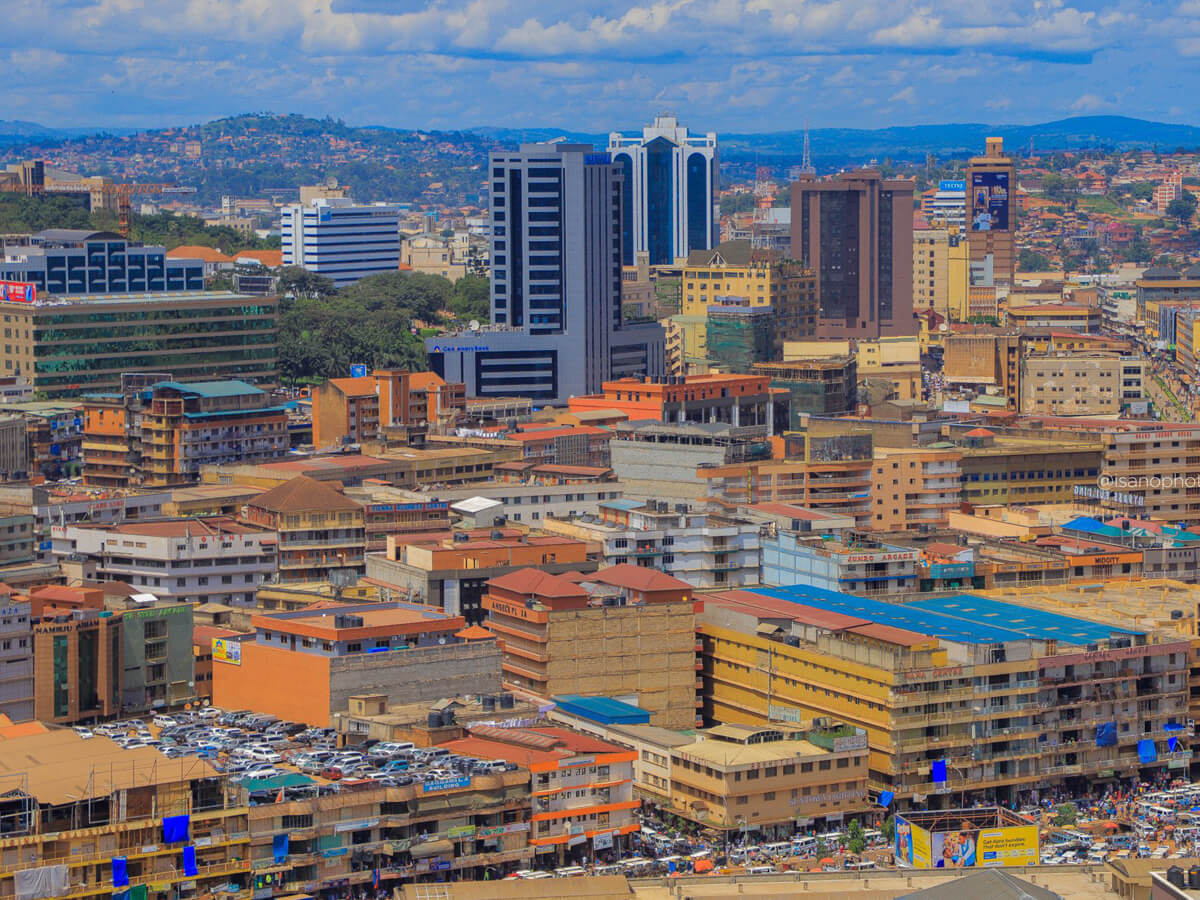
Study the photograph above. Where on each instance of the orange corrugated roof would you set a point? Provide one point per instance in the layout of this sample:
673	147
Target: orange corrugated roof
355	387
474	633
423	381
271	258
195	251
21	729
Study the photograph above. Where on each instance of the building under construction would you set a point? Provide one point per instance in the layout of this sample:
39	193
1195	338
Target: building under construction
91	819
739	335
826	386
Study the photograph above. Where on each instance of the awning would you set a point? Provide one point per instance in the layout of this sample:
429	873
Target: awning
432	848
274	783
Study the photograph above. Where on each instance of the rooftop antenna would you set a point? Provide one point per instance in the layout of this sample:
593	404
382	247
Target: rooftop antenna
806	165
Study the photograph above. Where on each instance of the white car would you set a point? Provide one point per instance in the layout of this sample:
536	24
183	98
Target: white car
164	722
84	733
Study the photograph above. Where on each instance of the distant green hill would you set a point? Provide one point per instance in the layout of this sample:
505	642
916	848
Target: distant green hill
263	154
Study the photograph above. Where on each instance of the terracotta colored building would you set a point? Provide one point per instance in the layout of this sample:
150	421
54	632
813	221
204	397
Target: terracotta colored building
737	400
622	630
353	410
305	665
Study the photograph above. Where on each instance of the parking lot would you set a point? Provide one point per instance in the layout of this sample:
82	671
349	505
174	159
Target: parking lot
251	747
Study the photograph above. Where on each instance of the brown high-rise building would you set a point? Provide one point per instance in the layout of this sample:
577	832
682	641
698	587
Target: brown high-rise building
991	211
855	232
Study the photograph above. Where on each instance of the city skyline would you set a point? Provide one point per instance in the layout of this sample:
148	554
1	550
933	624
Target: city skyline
751	65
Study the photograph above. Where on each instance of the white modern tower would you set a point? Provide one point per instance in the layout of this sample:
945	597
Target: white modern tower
670	190
341	239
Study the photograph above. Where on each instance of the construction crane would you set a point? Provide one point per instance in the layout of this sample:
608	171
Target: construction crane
31	180
123	192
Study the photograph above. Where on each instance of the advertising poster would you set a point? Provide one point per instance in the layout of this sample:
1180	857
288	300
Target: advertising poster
954	849
227	651
904	843
989	201
1016	846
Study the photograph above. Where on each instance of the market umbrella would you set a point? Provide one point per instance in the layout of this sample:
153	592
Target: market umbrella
827	861
703	865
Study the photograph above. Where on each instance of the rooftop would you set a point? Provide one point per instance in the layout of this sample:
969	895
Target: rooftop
58	767
188	527
602	709
963	618
304	493
212	389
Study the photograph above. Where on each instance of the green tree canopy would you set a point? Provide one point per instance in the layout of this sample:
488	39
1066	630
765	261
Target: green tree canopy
1032	261
471	298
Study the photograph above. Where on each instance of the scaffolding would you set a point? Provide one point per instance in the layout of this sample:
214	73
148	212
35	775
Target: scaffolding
739	336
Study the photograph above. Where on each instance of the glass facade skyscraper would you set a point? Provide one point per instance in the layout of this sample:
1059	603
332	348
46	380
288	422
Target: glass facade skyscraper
669	191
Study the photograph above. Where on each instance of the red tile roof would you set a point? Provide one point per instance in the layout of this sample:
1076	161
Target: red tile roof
537	583
637	578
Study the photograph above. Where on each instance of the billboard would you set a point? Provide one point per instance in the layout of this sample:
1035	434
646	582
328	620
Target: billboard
18	292
989	201
982	839
227	651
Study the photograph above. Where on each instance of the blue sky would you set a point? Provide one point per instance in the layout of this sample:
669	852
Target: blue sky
592	65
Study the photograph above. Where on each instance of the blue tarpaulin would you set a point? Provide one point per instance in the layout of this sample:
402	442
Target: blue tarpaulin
1172	726
1146	751
1106	734
175	829
886	797
939	771
189	862
120	871
279	846
1172	744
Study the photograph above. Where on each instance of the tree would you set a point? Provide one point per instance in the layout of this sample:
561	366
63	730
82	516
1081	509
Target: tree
737	203
1060	187
470	298
302	284
888	828
1137	251
1065	814
855	843
1032	261
1183	207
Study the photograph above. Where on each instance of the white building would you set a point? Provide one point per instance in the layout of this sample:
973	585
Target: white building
670	191
197	560
702	548
341	239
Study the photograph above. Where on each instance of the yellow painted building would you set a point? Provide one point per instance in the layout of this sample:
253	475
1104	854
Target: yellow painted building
763	277
1008	695
940	270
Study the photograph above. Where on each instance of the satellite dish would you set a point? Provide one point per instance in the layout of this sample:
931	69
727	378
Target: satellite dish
473	325
331	182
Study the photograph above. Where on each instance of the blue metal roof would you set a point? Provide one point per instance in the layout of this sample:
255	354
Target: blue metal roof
963	617
602	709
897	615
231	388
1036	623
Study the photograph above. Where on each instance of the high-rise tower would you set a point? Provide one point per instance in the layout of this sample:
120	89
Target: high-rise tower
557	328
670	189
991	212
855	231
